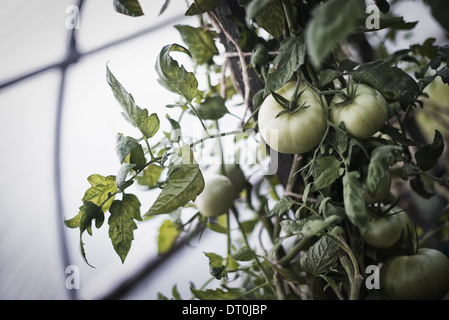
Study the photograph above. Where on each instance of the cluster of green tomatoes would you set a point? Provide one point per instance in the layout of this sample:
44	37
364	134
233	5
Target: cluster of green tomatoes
423	274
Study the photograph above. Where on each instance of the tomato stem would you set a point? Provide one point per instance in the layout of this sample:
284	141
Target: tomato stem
245	239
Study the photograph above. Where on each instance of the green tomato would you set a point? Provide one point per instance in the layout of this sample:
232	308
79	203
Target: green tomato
297	132
422	276
382	192
384	231
236	175
364	115
217	197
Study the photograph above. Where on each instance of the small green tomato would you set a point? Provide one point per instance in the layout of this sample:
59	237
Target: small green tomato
217	197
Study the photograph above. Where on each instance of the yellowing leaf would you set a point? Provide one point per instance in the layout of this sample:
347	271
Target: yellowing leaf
168	233
122	225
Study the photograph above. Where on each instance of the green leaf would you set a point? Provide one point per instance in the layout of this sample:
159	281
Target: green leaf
148	125
291	56
260	55
201	6
244	254
216	267
328	75
200	42
137	157
128	7
294	273
151	175
315	225
409	170
444	74
248	225
283	205
292	226
383	5
439	10
389	22
166	238
341	139
427	156
173	77
122	225
272	18
328	171
218	294
353	200
380	161
212	108
183	186
122	174
164	7
74	222
255	6
397	135
175	133
388	80
90	211
137	117
175	293
321	256
124	146
331	23
347	65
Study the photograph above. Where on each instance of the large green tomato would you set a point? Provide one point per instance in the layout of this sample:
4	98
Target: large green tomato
423	276
217	197
364	115
297	132
384	231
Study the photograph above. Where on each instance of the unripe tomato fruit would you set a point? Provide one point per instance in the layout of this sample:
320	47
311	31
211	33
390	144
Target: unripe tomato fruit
217	196
422	276
364	115
297	132
236	175
384	231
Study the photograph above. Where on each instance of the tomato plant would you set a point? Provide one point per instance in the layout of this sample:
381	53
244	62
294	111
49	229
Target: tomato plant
301	78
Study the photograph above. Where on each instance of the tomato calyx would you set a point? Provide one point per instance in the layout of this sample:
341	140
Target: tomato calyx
290	106
350	94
